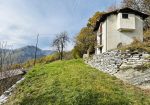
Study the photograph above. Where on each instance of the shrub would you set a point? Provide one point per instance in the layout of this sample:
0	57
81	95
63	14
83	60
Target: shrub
147	35
137	46
143	67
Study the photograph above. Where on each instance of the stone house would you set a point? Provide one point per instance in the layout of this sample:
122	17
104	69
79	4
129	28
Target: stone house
119	27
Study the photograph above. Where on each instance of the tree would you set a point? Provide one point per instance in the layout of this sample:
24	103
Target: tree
147	10
112	8
134	4
60	43
6	62
92	21
85	41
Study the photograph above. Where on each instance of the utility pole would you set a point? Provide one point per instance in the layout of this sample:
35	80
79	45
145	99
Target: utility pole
35	56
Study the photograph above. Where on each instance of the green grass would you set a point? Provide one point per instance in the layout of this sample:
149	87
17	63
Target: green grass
74	83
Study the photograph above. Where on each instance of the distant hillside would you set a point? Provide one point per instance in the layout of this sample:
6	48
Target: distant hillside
28	52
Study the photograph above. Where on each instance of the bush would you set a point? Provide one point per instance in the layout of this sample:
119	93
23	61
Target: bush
143	67
137	46
147	35
76	53
44	60
68	55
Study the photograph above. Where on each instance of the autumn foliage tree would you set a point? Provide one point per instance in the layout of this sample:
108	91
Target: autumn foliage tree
92	21
86	39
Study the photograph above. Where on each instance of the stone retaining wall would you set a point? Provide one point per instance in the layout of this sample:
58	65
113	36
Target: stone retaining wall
107	62
8	82
113	61
117	62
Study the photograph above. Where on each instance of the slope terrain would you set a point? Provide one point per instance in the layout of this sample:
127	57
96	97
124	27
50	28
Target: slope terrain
74	83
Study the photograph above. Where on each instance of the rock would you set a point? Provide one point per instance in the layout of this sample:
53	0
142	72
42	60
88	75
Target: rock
4	97
145	55
85	56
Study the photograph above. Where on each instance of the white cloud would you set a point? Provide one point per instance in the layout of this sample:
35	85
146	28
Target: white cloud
22	20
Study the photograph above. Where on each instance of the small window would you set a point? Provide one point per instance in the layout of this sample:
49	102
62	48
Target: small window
125	16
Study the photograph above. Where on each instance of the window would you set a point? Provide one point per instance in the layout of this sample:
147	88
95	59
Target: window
100	39
125	16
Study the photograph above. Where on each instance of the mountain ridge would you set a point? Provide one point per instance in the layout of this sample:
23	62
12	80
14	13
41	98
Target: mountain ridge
20	55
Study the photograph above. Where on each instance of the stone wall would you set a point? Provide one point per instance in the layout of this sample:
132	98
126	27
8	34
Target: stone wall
8	82
113	61
4	97
117	62
108	62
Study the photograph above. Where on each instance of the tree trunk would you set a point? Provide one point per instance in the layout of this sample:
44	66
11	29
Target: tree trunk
61	53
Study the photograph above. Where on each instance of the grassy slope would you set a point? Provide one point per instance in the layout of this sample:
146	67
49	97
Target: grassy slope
74	83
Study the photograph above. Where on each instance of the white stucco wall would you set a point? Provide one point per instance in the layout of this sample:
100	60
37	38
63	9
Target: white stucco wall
126	24
126	37
111	36
104	42
103	38
98	42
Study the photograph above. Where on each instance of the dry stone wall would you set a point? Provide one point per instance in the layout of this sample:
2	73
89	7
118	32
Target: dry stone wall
117	62
108	62
112	61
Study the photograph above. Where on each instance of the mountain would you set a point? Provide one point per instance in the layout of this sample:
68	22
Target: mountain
28	52
47	52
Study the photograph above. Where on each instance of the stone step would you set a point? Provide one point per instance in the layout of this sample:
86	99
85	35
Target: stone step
132	59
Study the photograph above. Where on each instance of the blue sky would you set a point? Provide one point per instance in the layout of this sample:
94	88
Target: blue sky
22	20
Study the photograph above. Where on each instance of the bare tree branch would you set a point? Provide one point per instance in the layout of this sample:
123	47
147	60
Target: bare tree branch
60	43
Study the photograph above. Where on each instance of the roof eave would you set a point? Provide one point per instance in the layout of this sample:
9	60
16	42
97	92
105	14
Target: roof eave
124	10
